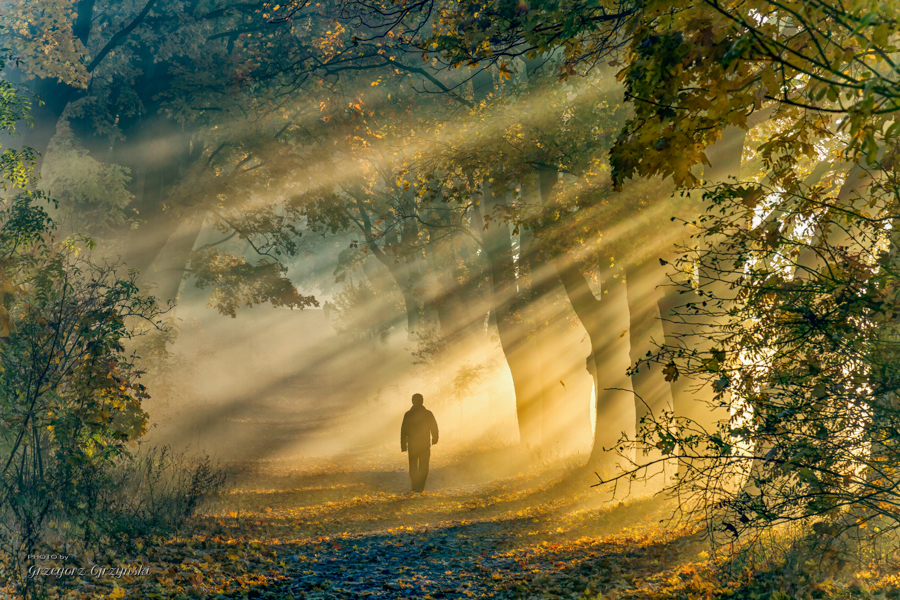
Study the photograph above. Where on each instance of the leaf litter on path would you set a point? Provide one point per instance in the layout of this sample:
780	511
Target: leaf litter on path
347	532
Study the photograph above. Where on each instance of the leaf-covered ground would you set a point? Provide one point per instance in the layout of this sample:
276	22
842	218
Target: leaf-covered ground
349	529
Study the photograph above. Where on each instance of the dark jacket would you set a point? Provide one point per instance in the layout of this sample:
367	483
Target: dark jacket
419	429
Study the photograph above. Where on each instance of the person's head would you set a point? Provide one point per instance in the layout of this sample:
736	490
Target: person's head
418	399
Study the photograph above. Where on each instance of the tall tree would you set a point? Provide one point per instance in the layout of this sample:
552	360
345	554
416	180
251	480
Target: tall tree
141	84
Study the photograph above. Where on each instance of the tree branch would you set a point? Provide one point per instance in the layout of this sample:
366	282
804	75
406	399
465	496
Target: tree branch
119	36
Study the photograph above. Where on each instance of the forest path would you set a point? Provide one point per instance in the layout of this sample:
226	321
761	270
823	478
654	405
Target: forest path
348	530
345	531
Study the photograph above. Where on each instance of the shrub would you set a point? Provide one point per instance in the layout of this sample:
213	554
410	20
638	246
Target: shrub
791	325
151	491
70	400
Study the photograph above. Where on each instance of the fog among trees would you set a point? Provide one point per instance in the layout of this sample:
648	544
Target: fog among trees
637	256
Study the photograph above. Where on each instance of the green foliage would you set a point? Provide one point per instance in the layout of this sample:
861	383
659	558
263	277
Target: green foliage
93	197
365	312
14	109
794	331
70	401
236	281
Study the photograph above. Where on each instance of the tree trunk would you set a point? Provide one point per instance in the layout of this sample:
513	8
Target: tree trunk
541	279
399	273
167	271
508	308
563	382
52	98
605	322
443	291
653	395
535	286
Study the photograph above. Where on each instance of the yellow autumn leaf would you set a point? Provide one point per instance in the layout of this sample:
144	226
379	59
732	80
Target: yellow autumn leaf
117	593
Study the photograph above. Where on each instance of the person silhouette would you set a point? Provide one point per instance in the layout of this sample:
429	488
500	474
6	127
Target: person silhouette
417	434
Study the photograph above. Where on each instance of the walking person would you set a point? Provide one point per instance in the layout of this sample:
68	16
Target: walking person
417	434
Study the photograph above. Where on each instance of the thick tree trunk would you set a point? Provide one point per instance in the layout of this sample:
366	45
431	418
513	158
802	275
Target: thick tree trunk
541	279
411	305
508	309
535	287
400	274
166	273
563	382
161	245
605	321
51	99
653	395
443	290
554	347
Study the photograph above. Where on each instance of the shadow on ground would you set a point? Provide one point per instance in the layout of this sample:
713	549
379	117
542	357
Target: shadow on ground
481	531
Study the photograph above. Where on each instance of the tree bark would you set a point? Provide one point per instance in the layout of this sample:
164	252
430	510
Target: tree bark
168	270
605	322
534	288
653	395
508	308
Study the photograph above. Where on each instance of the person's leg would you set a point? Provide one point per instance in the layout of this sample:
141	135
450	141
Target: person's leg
424	457
413	467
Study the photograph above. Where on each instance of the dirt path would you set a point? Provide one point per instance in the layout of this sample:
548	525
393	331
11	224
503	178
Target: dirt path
350	530
353	533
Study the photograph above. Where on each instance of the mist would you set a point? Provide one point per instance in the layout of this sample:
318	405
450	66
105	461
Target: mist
447	300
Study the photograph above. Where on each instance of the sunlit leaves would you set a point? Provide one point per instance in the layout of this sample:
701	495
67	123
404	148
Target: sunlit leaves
794	335
713	64
237	282
41	33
